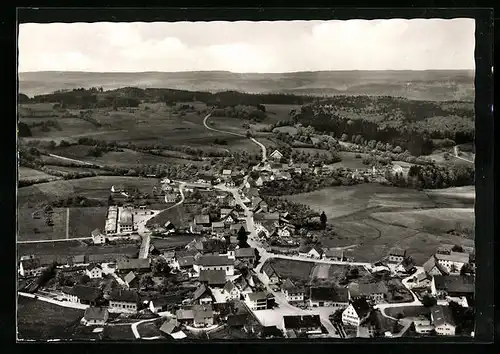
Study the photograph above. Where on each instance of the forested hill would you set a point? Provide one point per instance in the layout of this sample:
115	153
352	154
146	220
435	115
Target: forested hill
434	85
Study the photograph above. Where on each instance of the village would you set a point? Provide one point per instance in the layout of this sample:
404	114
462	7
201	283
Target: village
230	282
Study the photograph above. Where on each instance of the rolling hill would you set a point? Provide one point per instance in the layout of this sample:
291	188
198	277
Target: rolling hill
418	85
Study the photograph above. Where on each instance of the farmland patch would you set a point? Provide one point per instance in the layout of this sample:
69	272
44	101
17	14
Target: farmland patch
295	270
32	229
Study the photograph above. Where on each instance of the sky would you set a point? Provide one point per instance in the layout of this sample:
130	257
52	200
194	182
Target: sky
248	47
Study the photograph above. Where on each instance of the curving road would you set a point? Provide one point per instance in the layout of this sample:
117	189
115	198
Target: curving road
262	147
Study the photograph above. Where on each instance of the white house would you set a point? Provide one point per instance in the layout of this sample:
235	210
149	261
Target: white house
285	231
423	325
292	293
98	237
231	291
124	301
30	267
256	301
357	311
276	155
452	262
94	271
270	276
397	255
329	297
442	319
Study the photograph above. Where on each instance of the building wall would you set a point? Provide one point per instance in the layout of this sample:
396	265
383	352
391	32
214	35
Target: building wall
228	268
350	317
336	305
445	330
395	259
294	297
257	305
94	274
123	306
448	264
72	298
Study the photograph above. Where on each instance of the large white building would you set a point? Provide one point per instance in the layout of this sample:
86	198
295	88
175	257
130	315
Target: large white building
214	262
111	220
126	222
452	262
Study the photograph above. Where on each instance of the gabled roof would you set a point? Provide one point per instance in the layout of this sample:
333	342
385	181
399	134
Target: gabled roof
95	313
186	261
398	252
31	263
169	326
93	265
124	296
255	296
433	263
96	232
211	260
237	320
329	294
202	312
442	315
87	293
129	277
183	314
238	226
245	252
455	284
200	291
229	286
458	257
268	269
213	277
361	307
300	322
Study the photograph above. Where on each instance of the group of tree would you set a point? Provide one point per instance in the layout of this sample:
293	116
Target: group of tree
77	201
252	113
23	130
46	125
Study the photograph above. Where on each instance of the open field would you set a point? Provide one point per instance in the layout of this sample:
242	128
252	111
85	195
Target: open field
68	127
149	329
71	248
321	271
171	242
424	84
29	174
407	311
82	221
181	215
114	333
40	320
332	274
345	200
439	220
93	187
349	160
286	129
456	197
295	270
30	229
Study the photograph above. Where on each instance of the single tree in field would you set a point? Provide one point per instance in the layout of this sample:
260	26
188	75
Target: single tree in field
146	282
84	279
457	248
322	219
428	301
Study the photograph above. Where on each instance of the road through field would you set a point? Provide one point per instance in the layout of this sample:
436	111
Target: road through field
57	240
73	160
455	152
262	147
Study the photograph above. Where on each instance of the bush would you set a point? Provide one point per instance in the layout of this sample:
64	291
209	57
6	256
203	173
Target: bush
428	301
358	156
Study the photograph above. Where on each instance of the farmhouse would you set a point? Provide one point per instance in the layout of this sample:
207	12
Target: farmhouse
443	321
305	324
231	291
202	220
397	255
250	183
230	219
97	237
131	280
170	326
234	228
406	266
138	264
214	278
202	295
357	311
111	220
269	274
432	267
276	155
212	262
292	293
170	197
186	262
95	316
310	252
453	262
30	267
454	286
124	300
373	291
203	315
423	280
329	296
286	231
94	271
257	301
333	254
213	246
82	294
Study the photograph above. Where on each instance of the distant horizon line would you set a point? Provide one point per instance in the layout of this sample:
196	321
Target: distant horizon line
231	72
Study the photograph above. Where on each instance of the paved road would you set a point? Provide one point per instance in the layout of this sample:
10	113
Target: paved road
146	234
73	160
455	152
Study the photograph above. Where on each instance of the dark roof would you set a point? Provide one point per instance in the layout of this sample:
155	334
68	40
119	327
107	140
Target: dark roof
200	291
213	277
455	284
361	307
329	294
299	322
95	313
259	295
87	293
431	263
304	249
214	245
124	296
31	263
129	277
397	252
244	252
93	265
133	263
229	286
372	288
183	314
268	269
441	315
408	263
96	232
211	260
186	261
271	331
